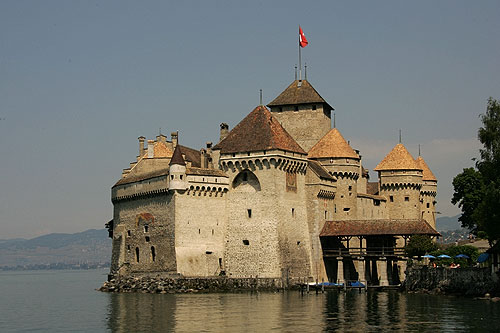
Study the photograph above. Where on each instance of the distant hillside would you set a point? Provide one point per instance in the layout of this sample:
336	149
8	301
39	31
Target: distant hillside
448	223
87	247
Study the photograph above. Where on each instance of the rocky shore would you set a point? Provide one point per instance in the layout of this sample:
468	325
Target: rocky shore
164	285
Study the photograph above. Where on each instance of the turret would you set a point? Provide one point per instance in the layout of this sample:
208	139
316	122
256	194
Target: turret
303	113
427	193
177	171
336	155
400	181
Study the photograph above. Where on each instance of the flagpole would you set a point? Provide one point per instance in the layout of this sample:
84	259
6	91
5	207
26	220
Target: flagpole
300	59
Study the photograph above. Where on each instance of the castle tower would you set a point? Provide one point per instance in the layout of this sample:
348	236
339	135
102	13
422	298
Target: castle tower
400	179
177	171
342	162
267	232
303	113
428	193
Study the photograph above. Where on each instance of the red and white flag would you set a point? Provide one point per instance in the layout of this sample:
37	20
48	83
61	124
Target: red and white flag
302	38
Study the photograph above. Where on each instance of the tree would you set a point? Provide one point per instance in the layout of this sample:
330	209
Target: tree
477	190
419	245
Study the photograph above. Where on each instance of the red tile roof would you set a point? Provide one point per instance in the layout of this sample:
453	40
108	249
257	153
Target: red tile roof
332	144
426	171
259	130
398	159
377	227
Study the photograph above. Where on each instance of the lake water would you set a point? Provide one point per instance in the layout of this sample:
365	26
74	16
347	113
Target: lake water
66	301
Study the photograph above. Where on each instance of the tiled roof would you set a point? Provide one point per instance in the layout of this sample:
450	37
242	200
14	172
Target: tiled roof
332	144
258	131
398	159
192	155
177	157
319	170
426	172
299	92
205	172
161	150
372	187
136	178
377	227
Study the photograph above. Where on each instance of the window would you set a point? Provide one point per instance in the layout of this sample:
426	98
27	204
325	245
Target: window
249	213
246	242
245	177
298	243
335	208
181	177
128	248
376	202
146	228
326	214
172	177
314	107
220	262
137	254
212	232
153	253
199	231
147	239
391	198
407	198
293	212
350	188
346	209
128	233
280	109
296	108
208	252
428	204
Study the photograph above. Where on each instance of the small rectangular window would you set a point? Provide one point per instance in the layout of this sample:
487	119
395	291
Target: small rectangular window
391	198
293	212
147	239
249	213
346	209
246	242
376	202
296	108
428	204
407	198
128	233
314	107
146	228
350	188
326	214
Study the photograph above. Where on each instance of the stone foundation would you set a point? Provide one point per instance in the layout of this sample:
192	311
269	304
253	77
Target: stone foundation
163	285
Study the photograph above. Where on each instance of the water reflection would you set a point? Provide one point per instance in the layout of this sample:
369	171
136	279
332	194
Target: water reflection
290	311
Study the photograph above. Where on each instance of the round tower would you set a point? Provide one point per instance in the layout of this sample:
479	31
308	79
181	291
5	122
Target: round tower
342	162
400	179
427	193
177	172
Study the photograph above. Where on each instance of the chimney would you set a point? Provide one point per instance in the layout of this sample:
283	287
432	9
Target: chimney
203	158
151	148
141	145
224	130
175	138
161	138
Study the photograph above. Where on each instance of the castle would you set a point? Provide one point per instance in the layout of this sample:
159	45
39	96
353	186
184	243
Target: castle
282	195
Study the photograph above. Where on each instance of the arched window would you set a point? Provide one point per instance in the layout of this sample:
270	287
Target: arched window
153	253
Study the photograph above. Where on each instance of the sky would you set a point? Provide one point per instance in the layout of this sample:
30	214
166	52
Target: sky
81	80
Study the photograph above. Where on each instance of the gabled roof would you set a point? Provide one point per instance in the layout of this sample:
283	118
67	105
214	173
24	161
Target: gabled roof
177	157
160	149
377	227
332	144
319	170
398	159
258	131
426	172
299	92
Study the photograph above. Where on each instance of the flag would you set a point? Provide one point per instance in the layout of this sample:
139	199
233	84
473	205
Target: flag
302	38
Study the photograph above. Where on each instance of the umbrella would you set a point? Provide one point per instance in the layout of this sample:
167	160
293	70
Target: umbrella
444	256
429	256
482	257
462	256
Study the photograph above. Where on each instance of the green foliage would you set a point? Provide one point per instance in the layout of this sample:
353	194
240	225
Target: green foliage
477	191
419	245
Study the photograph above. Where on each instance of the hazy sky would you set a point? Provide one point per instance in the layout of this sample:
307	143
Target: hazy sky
81	80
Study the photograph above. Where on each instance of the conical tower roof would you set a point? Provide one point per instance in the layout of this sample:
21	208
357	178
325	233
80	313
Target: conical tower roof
332	144
299	92
177	157
398	159
426	171
259	130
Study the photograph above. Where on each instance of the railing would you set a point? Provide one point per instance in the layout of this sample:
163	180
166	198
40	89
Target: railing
372	251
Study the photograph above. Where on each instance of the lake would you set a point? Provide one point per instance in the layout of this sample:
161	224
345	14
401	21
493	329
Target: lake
66	301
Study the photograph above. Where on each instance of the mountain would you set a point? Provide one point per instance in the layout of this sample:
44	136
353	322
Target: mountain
88	247
447	223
